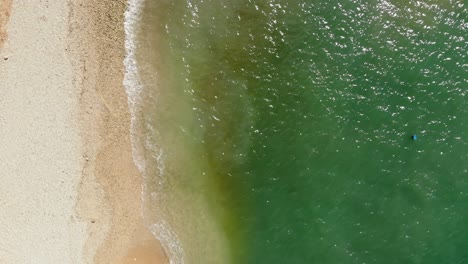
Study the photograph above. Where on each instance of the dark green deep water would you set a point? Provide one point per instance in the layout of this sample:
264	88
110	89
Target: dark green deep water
291	122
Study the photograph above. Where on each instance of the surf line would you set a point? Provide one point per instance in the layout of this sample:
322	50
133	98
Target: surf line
134	87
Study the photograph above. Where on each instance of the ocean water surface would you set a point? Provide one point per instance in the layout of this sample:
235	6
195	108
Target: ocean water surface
280	131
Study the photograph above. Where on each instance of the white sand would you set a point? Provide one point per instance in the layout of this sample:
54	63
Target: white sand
40	147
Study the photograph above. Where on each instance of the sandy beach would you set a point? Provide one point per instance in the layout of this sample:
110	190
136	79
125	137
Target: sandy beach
69	190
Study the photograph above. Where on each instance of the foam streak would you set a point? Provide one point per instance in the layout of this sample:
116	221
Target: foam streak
133	86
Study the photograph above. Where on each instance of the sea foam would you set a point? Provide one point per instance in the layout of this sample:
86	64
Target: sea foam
134	87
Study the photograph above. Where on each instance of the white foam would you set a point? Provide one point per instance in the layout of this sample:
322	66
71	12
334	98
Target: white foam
132	82
134	87
163	233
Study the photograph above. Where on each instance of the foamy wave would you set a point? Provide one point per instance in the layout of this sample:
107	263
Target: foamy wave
163	233
132	80
134	87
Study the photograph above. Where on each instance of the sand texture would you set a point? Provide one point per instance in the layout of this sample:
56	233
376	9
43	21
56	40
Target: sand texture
69	191
40	146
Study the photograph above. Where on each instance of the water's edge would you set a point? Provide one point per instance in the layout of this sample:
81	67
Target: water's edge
133	87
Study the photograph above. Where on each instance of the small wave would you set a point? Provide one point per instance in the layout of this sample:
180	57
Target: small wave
168	239
132	82
133	87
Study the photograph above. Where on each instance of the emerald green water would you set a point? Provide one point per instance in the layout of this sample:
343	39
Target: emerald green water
285	129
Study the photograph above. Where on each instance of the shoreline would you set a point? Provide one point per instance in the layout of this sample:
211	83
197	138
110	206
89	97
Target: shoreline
134	84
110	164
176	193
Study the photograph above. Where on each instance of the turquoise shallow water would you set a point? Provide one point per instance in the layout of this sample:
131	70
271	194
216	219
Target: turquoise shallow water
287	125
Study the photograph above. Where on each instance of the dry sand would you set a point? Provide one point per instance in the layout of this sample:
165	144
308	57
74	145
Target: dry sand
40	146
69	191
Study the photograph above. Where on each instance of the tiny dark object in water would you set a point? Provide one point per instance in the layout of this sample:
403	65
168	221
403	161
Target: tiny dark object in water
414	137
